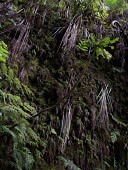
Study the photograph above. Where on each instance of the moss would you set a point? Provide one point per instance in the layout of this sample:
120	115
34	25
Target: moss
45	166
56	167
4	69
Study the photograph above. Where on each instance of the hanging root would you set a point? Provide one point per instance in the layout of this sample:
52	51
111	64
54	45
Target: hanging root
105	105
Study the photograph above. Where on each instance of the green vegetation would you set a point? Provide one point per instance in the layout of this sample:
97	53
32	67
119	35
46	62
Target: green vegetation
3	52
98	45
63	85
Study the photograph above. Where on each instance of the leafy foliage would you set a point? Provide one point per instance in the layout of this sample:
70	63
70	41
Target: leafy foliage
69	164
114	136
8	74
99	9
116	4
13	122
98	45
3	51
42	73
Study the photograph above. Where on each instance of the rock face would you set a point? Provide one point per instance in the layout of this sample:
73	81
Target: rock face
73	71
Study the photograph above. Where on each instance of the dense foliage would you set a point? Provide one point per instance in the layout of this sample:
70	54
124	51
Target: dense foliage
63	85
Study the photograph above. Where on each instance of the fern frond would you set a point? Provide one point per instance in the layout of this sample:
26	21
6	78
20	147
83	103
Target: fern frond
23	158
27	90
68	164
118	121
18	85
114	136
3	95
21	131
12	99
23	120
29	158
23	113
29	108
14	114
3	51
7	130
14	110
4	69
32	134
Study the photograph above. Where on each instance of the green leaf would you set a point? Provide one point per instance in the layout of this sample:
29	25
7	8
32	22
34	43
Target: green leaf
3	52
105	42
99	52
7	130
83	45
102	52
53	131
107	55
92	38
114	136
114	40
112	47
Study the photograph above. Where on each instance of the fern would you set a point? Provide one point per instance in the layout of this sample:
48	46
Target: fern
14	123
10	76
15	110
98	45
114	136
3	96
119	5
4	69
18	85
13	81
7	130
27	90
32	134
68	164
99	10
3	51
29	108
83	45
103	53
22	135
16	101
23	158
